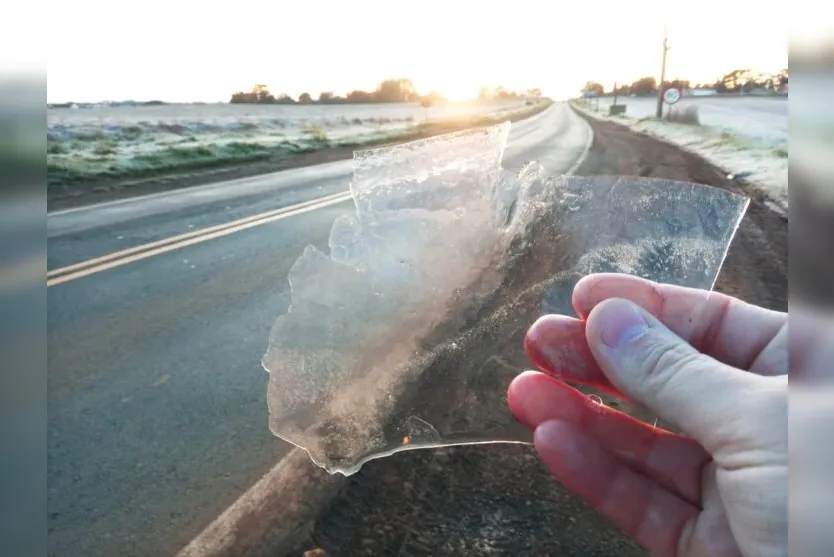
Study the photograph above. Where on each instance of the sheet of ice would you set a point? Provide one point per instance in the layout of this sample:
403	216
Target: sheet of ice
407	334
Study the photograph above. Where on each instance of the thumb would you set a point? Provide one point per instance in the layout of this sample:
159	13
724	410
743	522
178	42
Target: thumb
649	363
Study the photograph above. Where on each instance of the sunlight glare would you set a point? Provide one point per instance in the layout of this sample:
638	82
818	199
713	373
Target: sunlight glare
452	48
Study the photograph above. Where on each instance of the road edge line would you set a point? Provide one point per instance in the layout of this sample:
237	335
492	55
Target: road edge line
585	150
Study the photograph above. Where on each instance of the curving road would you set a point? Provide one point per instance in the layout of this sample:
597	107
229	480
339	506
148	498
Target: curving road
157	412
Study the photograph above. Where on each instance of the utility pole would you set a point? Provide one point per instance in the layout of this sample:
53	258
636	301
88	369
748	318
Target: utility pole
659	112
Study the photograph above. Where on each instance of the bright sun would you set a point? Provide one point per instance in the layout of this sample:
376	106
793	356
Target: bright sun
452	87
459	93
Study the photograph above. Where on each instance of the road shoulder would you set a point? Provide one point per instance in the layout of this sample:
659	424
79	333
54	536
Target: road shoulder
756	265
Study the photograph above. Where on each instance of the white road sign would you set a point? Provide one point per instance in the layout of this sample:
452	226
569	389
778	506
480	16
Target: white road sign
671	95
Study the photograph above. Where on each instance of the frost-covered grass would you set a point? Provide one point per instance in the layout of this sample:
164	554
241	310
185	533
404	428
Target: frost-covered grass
760	119
740	144
113	142
109	162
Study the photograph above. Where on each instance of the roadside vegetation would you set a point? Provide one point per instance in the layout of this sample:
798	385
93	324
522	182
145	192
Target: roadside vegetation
738	82
67	166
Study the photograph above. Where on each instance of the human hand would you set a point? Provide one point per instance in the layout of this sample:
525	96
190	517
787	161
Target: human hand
714	366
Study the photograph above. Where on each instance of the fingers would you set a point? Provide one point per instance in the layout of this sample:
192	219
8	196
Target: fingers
738	334
673	461
654	517
646	361
556	344
726	328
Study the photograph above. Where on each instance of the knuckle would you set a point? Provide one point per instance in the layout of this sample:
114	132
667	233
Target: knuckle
663	362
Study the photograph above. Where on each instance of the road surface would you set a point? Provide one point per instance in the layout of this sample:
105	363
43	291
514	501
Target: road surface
157	411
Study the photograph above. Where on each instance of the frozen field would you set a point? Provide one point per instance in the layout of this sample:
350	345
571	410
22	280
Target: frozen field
744	135
95	142
761	120
144	126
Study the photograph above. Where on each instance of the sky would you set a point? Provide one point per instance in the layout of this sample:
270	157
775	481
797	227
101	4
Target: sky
187	50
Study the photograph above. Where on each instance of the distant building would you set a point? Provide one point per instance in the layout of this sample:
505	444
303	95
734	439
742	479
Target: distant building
699	92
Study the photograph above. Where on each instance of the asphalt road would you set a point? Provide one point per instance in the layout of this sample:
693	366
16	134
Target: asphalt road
157	418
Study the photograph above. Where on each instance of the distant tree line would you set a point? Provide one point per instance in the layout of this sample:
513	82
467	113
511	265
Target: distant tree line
747	81
500	93
737	81
105	103
388	91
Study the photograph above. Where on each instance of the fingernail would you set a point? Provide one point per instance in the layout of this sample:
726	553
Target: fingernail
550	344
556	442
534	352
518	395
549	435
621	322
535	397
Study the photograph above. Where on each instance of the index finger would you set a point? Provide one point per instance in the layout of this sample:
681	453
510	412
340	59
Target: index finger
726	328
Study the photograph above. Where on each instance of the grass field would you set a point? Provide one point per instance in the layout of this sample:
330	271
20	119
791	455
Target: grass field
89	145
746	136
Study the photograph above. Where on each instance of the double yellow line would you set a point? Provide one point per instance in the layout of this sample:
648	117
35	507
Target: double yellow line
137	253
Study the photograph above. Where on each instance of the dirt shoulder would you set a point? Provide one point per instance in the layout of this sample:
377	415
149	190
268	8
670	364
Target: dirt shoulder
756	268
498	499
66	196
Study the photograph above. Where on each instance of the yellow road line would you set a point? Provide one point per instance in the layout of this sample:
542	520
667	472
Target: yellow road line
187	235
123	257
